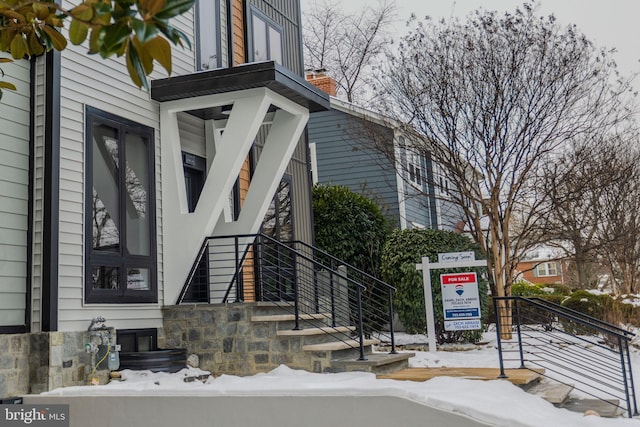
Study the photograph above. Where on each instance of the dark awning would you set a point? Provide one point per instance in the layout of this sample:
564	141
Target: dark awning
263	74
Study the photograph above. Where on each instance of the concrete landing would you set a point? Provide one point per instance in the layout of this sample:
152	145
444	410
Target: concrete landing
515	376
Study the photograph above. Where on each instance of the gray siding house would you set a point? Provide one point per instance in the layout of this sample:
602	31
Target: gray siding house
347	144
107	192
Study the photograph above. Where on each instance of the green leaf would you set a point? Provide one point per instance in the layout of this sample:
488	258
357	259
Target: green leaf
135	68
7	85
19	47
145	57
174	8
58	41
144	31
160	50
152	6
83	12
35	45
114	38
78	32
95	40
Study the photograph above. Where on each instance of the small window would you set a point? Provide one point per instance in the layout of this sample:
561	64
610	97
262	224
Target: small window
414	164
266	38
135	340
546	269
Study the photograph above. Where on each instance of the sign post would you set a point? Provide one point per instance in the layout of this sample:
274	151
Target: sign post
448	260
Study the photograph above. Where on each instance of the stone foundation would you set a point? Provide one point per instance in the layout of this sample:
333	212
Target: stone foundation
37	362
225	340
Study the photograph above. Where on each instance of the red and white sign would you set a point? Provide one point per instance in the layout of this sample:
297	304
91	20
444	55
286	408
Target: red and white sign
460	301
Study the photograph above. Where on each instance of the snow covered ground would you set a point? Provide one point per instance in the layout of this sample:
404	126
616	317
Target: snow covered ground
496	402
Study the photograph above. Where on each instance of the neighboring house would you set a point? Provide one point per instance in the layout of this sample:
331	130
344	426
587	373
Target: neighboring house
108	192
347	144
542	265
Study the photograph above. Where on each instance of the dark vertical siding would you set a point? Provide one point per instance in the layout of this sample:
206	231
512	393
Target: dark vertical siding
345	157
286	13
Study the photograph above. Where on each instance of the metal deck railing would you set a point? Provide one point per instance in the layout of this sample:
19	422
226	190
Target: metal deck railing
572	348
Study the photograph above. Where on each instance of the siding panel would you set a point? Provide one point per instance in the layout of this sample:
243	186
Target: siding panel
14	193
108	88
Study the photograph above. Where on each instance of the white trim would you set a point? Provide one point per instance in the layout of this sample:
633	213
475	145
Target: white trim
313	158
184	232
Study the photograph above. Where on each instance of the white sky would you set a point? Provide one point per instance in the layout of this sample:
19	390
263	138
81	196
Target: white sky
610	24
482	400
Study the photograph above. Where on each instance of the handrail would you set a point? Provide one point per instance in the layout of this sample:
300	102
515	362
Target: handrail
564	354
304	278
364	273
559	308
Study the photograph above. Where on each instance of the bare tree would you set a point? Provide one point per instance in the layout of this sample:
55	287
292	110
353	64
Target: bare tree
581	182
495	96
620	224
346	45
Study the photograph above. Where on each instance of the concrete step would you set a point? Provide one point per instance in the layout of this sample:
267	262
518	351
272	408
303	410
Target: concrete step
339	345
377	363
609	408
289	317
551	391
316	331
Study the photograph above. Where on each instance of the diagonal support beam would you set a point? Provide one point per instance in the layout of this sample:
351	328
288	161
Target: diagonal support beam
184	232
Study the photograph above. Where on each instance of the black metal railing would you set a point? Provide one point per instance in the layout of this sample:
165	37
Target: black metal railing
314	286
567	346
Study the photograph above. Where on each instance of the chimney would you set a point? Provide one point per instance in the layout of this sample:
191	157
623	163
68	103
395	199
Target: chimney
319	79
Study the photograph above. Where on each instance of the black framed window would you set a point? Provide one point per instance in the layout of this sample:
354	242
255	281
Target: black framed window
265	42
136	340
208	42
120	232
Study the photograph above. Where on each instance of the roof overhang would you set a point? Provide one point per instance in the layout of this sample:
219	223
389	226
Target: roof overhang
256	75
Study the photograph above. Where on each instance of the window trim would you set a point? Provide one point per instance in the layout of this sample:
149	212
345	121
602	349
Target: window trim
121	260
269	23
547	270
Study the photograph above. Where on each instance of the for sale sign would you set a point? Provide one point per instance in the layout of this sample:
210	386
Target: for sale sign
460	301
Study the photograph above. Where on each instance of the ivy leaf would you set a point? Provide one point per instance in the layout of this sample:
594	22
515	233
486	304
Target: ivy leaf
174	8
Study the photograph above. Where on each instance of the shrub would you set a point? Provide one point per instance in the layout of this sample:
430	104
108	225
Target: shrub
525	289
349	226
401	253
558	289
353	229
